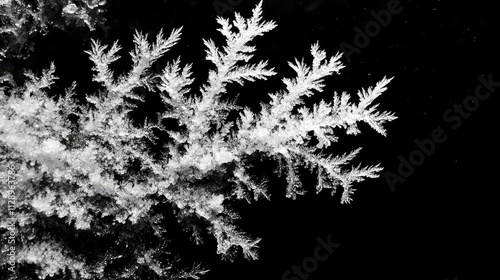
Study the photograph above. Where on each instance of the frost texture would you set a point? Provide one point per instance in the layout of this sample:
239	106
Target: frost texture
92	173
21	20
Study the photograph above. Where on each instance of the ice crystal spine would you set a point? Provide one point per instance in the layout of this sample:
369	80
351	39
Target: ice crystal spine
96	174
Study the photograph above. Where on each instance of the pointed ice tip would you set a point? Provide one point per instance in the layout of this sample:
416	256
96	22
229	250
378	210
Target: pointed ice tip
259	5
257	11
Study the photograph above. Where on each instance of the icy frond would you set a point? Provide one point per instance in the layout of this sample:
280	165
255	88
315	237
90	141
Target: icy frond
228	236
286	134
369	115
245	185
308	78
237	49
195	272
102	59
35	84
143	56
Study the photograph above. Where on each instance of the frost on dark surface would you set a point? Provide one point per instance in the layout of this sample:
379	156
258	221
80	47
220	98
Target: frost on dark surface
21	20
90	175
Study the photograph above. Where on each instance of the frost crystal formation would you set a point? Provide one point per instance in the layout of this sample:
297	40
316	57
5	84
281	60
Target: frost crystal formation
90	178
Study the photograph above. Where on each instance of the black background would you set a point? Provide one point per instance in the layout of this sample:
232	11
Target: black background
442	222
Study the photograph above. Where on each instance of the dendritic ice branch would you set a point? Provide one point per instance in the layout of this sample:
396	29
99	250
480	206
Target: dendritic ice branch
93	172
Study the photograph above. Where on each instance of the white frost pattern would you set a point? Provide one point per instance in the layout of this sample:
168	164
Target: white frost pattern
103	156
